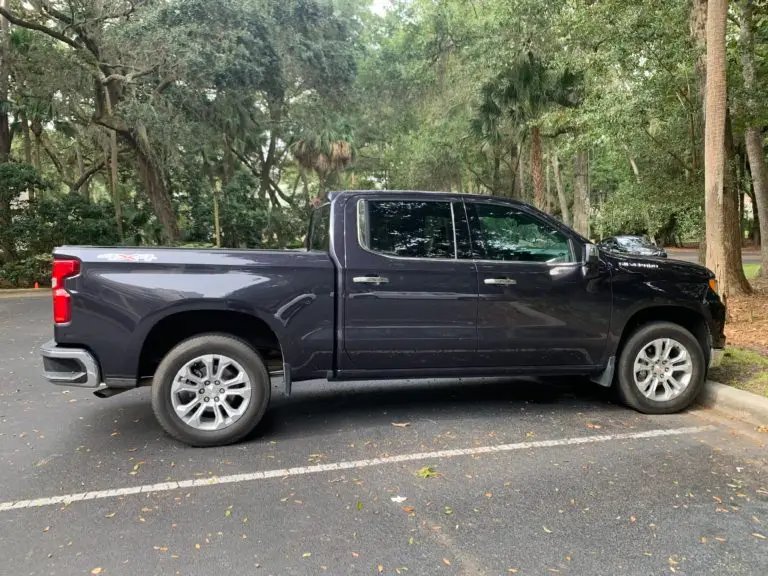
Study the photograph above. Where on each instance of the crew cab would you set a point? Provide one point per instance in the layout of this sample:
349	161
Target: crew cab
391	284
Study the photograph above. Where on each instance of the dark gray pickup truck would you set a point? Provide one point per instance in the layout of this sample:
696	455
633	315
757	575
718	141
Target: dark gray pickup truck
390	285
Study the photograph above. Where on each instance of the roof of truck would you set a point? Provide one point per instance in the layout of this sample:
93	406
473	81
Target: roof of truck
428	193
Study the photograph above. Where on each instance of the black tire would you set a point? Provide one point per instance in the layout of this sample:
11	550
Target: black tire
628	392
189	349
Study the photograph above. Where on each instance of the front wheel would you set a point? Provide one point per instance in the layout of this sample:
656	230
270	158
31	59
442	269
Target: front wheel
210	390
662	369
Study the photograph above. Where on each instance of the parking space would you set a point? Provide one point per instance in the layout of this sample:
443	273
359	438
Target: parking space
442	477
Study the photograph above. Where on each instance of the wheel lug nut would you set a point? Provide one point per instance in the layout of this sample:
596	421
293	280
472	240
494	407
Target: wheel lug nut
207	382
221	391
202	391
217	382
216	399
207	399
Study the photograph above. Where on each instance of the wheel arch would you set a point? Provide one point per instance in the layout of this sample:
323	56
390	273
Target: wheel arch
179	325
690	319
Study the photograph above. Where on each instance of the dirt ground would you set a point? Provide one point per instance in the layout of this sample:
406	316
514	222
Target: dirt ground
747	325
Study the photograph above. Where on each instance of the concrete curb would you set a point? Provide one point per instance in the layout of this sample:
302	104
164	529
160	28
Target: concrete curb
24	292
743	405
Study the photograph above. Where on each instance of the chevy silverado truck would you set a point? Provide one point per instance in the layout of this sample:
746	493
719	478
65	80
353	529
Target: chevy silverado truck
391	284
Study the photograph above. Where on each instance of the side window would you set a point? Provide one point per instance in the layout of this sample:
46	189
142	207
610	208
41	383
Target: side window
510	235
407	228
320	229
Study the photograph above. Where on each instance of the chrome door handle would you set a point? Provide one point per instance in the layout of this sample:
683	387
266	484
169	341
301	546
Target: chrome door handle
370	280
500	281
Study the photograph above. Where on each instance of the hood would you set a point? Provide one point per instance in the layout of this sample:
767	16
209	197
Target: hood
657	266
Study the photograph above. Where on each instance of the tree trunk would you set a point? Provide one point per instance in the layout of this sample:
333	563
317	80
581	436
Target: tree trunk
26	139
152	180
550	197
496	177
537	173
560	191
752	134
581	193
216	222
718	201
5	84
521	175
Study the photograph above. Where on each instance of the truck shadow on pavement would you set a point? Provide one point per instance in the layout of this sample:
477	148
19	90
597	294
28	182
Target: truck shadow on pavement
317	407
320	407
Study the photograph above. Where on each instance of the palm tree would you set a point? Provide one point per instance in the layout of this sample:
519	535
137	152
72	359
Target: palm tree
326	152
526	90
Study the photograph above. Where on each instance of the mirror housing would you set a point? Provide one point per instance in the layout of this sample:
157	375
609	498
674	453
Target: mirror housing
591	260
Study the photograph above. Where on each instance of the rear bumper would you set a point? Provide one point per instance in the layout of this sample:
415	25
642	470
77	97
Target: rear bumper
69	366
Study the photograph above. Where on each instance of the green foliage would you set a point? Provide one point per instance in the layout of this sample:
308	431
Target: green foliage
268	103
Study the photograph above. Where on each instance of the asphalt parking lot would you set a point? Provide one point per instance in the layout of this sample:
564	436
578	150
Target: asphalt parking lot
516	478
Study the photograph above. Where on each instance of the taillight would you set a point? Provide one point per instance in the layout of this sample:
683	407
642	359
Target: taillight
62	305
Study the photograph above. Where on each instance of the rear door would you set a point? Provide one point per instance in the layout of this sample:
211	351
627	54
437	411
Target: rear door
535	307
410	304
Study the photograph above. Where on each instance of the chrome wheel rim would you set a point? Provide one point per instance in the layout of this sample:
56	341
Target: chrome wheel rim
663	369
211	392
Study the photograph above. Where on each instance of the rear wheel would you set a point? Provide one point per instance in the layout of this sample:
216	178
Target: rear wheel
210	390
662	369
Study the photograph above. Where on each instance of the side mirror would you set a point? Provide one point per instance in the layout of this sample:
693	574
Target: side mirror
591	263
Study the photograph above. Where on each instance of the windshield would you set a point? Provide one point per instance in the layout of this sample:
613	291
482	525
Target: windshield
635	242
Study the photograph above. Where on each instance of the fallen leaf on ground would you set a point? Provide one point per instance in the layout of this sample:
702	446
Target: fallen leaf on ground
161	548
763	428
46	529
427	472
547	530
359	505
530	434
446	562
408	509
98	570
380	568
401	424
758	535
398	499
355	555
593	426
306	554
197	546
512	570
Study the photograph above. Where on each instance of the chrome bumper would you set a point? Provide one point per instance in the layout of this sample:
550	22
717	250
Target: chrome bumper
69	366
716	357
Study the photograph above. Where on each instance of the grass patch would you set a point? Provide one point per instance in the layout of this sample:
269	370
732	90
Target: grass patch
751	271
743	369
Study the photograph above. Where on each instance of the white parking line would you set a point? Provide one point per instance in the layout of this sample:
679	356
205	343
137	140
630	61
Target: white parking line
351	465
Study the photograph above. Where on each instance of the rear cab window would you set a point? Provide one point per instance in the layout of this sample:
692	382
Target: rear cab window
319	238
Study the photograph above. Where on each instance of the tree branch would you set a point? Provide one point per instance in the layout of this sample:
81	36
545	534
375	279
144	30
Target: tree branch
85	176
663	149
130	77
13	19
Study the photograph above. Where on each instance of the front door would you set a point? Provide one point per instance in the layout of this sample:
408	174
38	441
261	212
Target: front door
535	307
410	303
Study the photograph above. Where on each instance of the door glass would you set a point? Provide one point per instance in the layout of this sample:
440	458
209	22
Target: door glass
408	228
506	233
